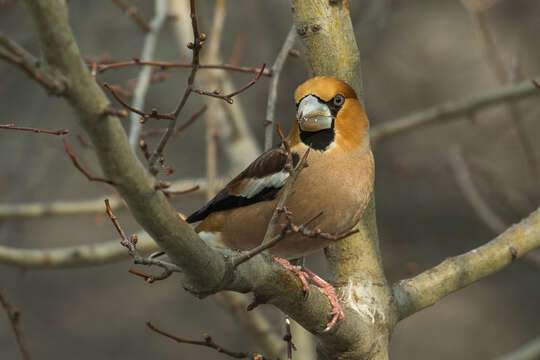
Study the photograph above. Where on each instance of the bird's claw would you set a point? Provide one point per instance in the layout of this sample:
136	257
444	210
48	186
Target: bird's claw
324	287
298	271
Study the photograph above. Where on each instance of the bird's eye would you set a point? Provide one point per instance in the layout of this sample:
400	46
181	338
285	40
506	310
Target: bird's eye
339	100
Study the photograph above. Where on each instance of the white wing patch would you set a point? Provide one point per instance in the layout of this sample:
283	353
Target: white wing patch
255	186
212	239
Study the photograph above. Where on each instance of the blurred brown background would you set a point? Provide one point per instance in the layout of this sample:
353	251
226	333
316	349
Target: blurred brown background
416	53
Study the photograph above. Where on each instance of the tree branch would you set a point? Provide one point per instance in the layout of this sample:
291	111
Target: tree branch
13	53
500	70
451	110
272	92
149	206
207	342
239	143
39	131
425	289
175	65
79	167
73	256
60	208
145	75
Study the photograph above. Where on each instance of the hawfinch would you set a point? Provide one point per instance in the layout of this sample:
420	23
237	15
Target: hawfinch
337	181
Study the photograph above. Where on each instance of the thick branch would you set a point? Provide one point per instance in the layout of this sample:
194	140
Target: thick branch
319	24
454	109
425	289
149	206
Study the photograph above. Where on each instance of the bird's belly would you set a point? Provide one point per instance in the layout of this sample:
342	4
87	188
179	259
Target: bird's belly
341	199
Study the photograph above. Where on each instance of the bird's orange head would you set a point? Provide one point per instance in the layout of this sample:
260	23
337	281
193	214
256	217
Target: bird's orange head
329	113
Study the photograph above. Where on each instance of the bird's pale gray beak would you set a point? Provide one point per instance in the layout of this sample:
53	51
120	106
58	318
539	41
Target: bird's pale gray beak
312	115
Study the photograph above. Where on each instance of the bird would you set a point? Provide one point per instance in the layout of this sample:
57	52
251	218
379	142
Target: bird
337	182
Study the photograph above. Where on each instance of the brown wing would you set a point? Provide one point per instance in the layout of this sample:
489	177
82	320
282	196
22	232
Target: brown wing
260	181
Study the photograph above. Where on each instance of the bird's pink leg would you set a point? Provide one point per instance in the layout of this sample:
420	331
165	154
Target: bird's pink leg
296	270
326	288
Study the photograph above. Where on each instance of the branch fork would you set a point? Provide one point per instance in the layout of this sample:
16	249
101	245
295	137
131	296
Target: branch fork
131	245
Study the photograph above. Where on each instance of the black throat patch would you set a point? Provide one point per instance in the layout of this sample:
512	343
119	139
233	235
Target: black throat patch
318	140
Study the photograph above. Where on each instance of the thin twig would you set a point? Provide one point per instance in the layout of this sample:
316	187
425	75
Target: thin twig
272	92
270	237
144	148
288	188
39	131
254	323
288	338
133	12
180	129
14	316
145	115
207	342
115	112
145	75
167	64
240	145
195	46
78	165
228	97
171	193
131	244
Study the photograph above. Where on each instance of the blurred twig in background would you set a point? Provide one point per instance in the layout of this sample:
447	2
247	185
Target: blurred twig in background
272	91
133	12
471	193
452	110
528	351
500	71
14	316
145	74
207	342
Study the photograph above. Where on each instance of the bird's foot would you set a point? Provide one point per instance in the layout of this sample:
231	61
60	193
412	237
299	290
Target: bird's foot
326	288
296	270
